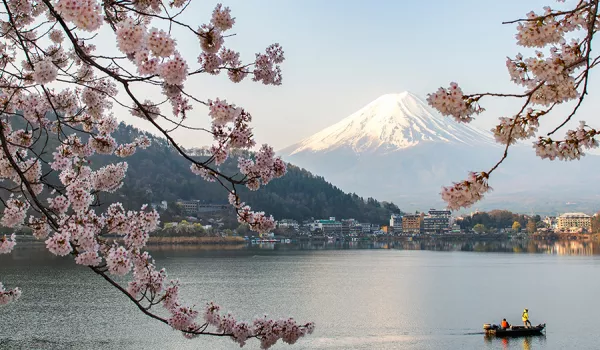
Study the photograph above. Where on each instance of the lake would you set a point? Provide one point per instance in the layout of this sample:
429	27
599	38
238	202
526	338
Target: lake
411	295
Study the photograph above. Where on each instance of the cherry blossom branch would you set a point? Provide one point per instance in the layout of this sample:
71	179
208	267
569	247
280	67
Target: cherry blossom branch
549	82
582	5
89	84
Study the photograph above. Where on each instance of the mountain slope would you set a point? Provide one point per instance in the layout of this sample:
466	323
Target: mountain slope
396	148
391	122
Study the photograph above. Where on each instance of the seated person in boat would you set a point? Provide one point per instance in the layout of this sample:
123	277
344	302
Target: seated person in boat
525	318
504	324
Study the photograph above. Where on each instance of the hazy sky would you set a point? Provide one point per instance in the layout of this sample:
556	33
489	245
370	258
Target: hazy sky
341	55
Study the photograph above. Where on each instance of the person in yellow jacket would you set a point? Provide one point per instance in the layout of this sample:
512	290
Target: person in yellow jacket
525	318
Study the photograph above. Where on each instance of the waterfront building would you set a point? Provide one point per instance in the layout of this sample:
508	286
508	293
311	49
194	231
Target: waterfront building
330	226
574	222
396	223
437	222
351	227
411	223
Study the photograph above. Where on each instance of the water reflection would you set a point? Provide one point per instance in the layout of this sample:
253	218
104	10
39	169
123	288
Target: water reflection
575	248
583	248
526	343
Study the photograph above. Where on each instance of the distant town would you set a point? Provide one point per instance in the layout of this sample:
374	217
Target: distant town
434	222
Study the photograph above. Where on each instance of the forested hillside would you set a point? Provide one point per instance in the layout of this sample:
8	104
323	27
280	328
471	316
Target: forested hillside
159	173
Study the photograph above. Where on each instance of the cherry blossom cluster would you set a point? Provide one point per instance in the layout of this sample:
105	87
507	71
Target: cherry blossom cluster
154	52
466	193
128	149
85	14
230	129
452	102
267	69
258	221
263	168
548	80
267	330
45	71
109	178
8	296
15	211
7	244
549	28
571	148
511	130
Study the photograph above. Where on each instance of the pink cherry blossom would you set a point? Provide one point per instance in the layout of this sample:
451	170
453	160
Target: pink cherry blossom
79	196
222	112
45	72
109	178
90	258
130	36
146	65
160	43
7	244
118	261
59	244
466	193
452	102
56	36
8	296
221	18
85	14
14	213
174	71
267	69
59	204
210	62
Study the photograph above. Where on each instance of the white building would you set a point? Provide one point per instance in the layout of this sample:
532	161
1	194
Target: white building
288	223
574	222
396	222
327	226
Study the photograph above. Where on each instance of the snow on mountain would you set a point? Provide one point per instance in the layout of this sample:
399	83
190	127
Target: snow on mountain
391	122
395	148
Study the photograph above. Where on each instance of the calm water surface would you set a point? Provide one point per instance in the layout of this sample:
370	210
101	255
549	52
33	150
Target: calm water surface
359	298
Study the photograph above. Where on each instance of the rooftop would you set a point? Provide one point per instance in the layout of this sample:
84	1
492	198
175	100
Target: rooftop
329	222
574	215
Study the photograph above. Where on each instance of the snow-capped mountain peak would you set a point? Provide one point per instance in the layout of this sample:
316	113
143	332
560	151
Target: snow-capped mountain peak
391	122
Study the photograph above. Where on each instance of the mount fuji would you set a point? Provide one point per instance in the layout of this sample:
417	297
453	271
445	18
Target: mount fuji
397	149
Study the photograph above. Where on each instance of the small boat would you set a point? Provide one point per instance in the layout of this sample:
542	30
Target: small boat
513	331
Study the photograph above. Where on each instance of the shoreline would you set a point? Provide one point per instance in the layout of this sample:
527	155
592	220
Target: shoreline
237	240
183	240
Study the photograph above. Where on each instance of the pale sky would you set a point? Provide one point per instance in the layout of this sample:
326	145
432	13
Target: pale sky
342	54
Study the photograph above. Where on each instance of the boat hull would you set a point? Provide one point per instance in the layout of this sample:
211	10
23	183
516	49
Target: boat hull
515	331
